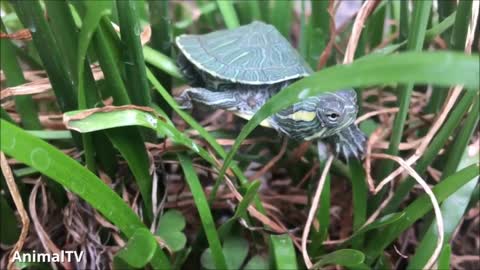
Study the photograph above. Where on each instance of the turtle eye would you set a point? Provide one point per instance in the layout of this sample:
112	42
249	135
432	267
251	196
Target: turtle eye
333	116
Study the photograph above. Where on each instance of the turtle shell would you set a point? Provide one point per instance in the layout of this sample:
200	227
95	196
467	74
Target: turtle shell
255	53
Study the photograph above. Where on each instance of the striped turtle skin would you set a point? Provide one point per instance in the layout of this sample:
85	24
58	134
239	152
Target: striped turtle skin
241	76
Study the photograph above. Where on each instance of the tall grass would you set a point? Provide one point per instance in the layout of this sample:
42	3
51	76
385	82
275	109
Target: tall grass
124	152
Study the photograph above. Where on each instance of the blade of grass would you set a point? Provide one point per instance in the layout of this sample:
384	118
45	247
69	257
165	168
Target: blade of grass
360	198
419	208
375	25
457	36
32	16
453	209
434	68
161	62
161	41
5	116
132	53
320	31
95	144
203	210
73	176
281	17
433	149
228	12
461	141
460	27
416	37
127	140
139	250
283	252
24	105
343	257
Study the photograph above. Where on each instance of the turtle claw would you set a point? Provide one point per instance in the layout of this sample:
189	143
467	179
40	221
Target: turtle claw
349	143
184	101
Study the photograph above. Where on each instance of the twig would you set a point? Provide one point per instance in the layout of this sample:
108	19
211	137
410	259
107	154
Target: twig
362	15
313	210
436	207
17	199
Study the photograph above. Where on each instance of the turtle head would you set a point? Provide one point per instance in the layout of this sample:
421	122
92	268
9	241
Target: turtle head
336	110
319	116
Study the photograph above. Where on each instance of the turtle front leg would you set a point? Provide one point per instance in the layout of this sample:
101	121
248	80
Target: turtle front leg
217	100
349	142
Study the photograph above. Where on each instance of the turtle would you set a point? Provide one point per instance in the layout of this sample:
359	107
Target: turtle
240	69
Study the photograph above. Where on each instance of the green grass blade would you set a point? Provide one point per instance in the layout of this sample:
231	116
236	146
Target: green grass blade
10	230
229	14
343	257
320	32
73	176
416	37
436	68
132	51
204	211
161	41
360	198
433	149
460	27
453	209
24	105
161	61
252	190
32	16
106	52
375	25
419	208
461	141
441	27
283	252
281	16
139	250
444	257
51	134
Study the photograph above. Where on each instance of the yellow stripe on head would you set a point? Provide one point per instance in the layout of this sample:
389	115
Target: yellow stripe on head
303	116
264	123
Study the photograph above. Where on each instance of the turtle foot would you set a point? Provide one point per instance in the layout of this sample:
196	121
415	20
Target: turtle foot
184	101
350	143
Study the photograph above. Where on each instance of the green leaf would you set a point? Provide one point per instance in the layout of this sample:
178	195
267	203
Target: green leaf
283	252
444	258
281	16
10	230
132	53
247	199
161	62
95	10
436	68
170	228
368	126
24	105
360	198
235	250
59	167
256	263
139	249
343	257
228	13
203	211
